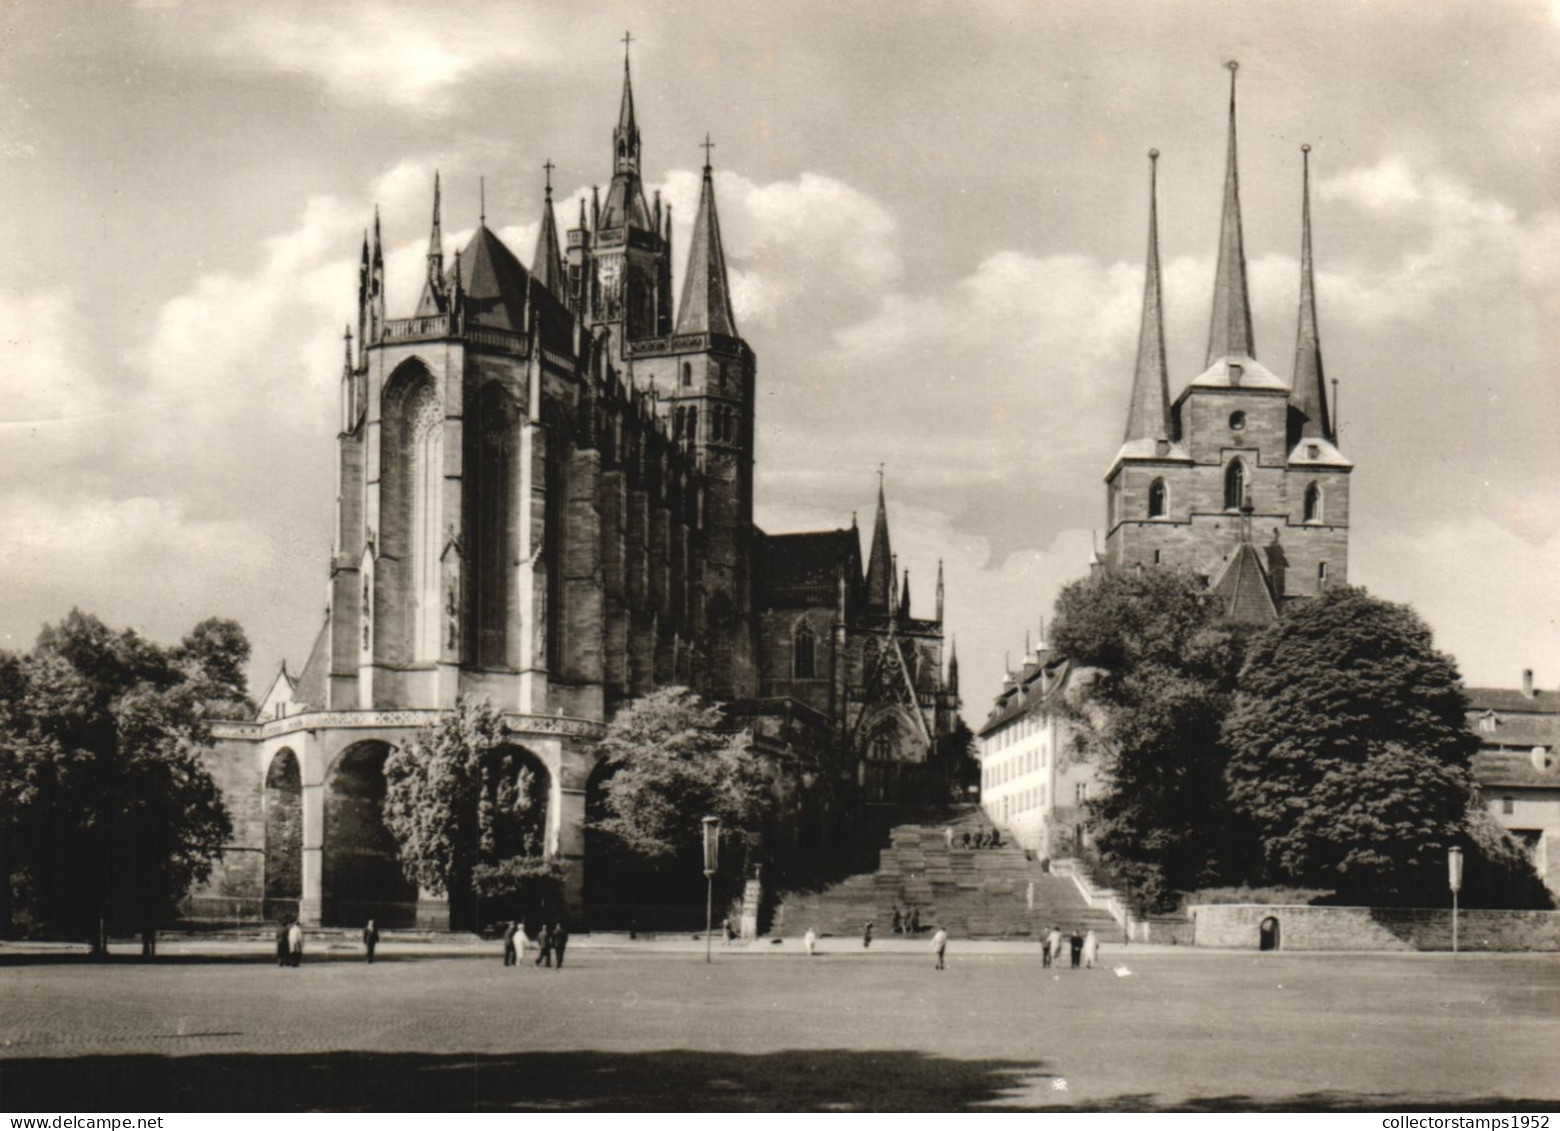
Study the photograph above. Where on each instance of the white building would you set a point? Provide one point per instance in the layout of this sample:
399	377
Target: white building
1031	788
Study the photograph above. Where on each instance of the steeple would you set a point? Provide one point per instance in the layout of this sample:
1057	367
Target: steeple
939	591
953	666
880	562
547	264
376	284
904	598
433	301
1309	386
706	297
1229	334
363	289
1148	417
625	139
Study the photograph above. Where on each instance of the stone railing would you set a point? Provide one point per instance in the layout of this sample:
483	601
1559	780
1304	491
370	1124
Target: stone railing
563	725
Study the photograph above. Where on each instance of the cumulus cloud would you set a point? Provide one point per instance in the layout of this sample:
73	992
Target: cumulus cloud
46	376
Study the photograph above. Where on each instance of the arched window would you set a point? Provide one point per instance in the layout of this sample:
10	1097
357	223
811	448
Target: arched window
426	479
693	424
1235	485
1313	503
687	375
803	652
1156	499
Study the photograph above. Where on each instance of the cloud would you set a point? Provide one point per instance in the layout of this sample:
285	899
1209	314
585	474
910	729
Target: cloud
46	377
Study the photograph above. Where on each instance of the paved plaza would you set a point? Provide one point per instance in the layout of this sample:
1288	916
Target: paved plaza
650	1026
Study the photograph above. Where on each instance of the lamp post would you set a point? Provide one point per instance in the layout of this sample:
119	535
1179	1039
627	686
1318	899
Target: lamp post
711	862
1454	878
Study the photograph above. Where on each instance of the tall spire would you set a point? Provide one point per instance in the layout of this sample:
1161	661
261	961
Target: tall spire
1148	417
1229	334
880	562
625	139
376	284
432	301
939	591
363	293
904	597
547	263
953	666
1309	386
706	297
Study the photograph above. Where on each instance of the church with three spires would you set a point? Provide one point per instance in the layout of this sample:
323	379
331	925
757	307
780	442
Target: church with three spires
545	500
1240	477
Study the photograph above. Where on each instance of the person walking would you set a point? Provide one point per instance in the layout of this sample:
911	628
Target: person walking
511	954
940	947
866	936
543	946
948	836
898	922
1091	949
370	941
965	837
295	944
810	942
1053	946
281	943
728	931
560	940
1075	941
1029	896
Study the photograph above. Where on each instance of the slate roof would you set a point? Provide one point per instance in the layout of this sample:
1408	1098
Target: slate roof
1511	768
1243	588
803	567
1511	699
309	691
1037	681
494	281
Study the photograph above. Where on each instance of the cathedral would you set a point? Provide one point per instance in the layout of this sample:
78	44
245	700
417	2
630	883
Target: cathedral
545	500
1240	478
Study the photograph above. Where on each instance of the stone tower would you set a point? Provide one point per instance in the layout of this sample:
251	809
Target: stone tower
1240	478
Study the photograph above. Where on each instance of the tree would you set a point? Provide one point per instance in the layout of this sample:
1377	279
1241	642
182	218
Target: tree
674	759
1156	672
212	657
1350	750
110	816
467	812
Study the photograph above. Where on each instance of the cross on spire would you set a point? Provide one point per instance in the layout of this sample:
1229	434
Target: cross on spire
548	167
707	145
482	200
627	40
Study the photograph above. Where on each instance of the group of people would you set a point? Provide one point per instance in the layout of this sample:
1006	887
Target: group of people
1085	948
981	838
551	942
908	923
289	942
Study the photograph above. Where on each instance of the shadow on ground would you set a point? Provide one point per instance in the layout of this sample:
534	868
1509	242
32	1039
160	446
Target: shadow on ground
677	1080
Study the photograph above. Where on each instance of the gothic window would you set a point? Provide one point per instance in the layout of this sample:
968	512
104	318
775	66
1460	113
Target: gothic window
426	479
1235	485
1313	503
687	375
490	543
882	746
1156	499
693	424
803	652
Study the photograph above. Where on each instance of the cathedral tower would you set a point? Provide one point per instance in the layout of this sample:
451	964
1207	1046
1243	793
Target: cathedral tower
1240	478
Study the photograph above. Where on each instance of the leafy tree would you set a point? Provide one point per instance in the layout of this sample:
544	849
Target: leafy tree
1350	748
1156	672
673	760
467	812
109	815
212	657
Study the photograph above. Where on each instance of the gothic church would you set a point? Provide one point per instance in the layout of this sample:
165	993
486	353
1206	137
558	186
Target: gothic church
545	499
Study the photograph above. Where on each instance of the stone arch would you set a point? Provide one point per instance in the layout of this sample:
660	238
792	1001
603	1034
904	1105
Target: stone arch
607	885
1268	934
491	538
411	512
282	804
1313	503
1158	499
362	877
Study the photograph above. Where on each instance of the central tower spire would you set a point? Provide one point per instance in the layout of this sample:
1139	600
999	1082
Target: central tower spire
1229	334
625	139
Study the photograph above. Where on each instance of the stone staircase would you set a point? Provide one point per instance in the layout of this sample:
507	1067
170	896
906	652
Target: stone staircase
970	892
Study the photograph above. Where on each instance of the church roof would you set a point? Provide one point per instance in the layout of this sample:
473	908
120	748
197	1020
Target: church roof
547	263
309	692
800	565
1326	454
1236	372
706	297
625	205
494	282
1243	589
880	562
1147	449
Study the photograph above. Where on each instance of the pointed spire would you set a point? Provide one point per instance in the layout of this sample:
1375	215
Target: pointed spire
363	293
1229	333
432	301
939	591
625	138
904	597
1148	417
1309	385
376	284
547	263
706	297
953	666
880	562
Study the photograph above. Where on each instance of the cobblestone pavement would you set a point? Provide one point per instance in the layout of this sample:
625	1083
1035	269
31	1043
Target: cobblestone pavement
769	1029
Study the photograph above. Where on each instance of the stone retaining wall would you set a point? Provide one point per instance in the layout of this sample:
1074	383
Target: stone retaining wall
1302	927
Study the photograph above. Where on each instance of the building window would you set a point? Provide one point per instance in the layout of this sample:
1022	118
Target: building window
1313	451
1313	503
1237	419
1508	805
687	375
1235	486
1488	722
1156	499
1157	558
803	652
1080	793
1321	576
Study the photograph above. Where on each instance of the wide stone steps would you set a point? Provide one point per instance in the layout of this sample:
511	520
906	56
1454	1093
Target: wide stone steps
968	892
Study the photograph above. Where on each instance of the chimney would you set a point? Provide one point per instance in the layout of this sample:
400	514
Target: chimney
1527	683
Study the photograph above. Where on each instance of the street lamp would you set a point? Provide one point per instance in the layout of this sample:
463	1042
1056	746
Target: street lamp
1454	878
711	863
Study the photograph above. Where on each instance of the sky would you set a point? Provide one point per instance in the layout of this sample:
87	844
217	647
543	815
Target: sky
935	217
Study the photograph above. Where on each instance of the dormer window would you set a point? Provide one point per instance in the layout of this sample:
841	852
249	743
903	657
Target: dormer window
1156	499
1488	722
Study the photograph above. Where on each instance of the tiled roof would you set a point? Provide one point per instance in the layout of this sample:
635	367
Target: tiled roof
1040	678
799	565
1511	699
1243	588
1509	768
494	281
310	689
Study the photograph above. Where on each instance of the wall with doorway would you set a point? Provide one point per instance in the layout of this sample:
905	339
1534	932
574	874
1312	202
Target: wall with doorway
1303	927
